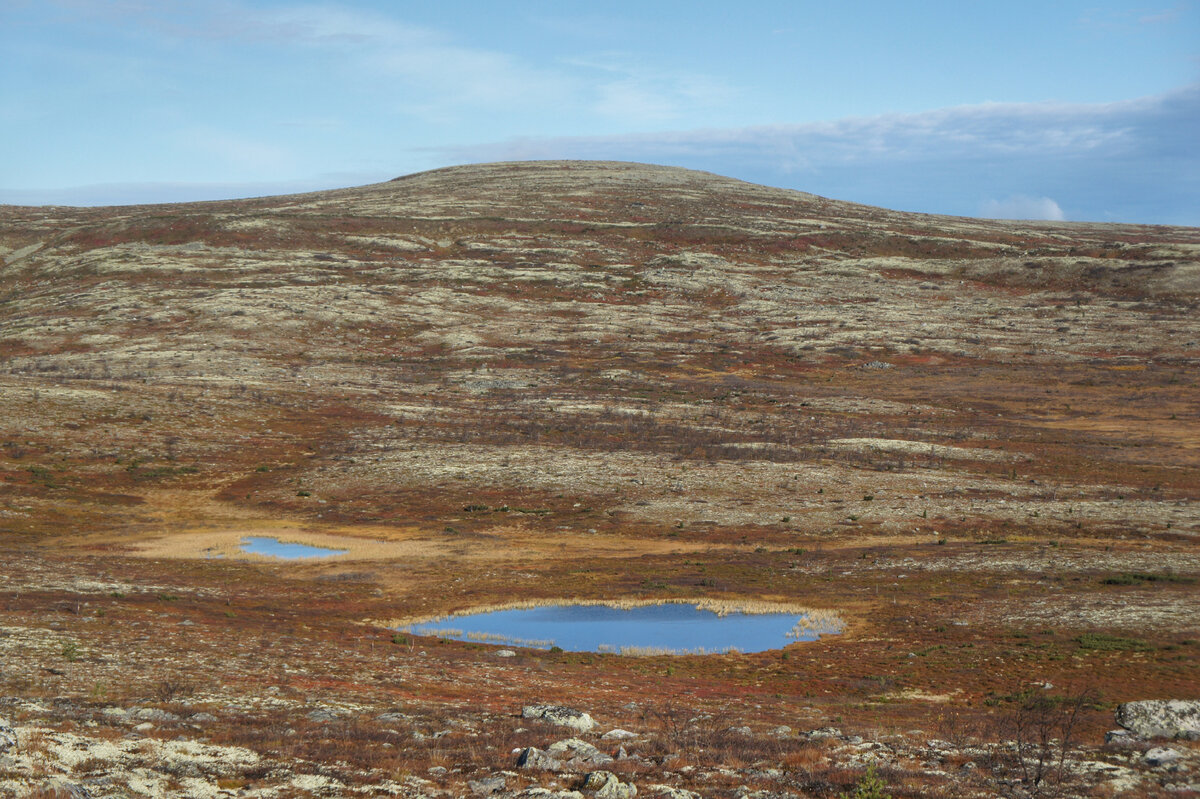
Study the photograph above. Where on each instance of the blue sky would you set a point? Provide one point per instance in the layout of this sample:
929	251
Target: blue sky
1075	110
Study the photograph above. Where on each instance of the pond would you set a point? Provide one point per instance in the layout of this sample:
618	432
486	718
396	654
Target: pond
275	548
644	630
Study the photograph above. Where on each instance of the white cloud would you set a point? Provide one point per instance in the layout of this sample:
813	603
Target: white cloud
1133	160
1019	206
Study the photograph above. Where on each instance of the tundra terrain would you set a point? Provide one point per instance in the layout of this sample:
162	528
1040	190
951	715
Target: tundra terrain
975	442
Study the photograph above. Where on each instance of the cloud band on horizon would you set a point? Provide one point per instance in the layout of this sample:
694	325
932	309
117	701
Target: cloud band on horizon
1129	161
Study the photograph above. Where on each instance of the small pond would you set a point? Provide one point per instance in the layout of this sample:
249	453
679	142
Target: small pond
648	629
275	548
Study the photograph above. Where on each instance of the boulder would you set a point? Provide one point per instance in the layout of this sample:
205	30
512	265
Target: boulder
393	717
578	753
1161	718
68	790
538	792
532	758
605	785
8	736
1161	756
670	792
488	785
560	716
618	734
1119	738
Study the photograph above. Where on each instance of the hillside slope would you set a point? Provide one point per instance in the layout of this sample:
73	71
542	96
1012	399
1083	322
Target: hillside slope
600	380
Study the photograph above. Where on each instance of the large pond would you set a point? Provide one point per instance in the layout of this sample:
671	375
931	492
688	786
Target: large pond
648	629
275	548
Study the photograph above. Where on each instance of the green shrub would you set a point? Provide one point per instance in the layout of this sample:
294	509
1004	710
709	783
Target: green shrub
1103	642
869	786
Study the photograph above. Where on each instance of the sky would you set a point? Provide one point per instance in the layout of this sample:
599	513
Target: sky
1085	111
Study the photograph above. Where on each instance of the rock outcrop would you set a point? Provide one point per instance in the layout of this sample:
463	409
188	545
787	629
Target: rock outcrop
8	736
1161	718
605	785
565	755
560	716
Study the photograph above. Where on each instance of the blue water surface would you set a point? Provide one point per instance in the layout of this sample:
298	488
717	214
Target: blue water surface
598	628
277	549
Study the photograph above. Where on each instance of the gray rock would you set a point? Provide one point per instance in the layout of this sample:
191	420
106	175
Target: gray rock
69	790
1161	718
1161	756
202	718
823	733
392	718
322	716
618	735
560	716
155	715
488	785
578	753
782	731
669	792
532	758
1119	737
8	736
537	792
605	785
505	653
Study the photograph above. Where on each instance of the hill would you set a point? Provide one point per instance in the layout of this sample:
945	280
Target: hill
976	441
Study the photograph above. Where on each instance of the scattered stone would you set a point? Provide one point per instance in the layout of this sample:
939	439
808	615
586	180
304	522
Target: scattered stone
1161	718
437	771
560	716
618	735
155	715
537	792
605	785
823	733
782	731
746	731
1161	756
392	718
202	718
322	716
669	792
8	736
1119	737
488	785
505	653
68	790
532	758
578	753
